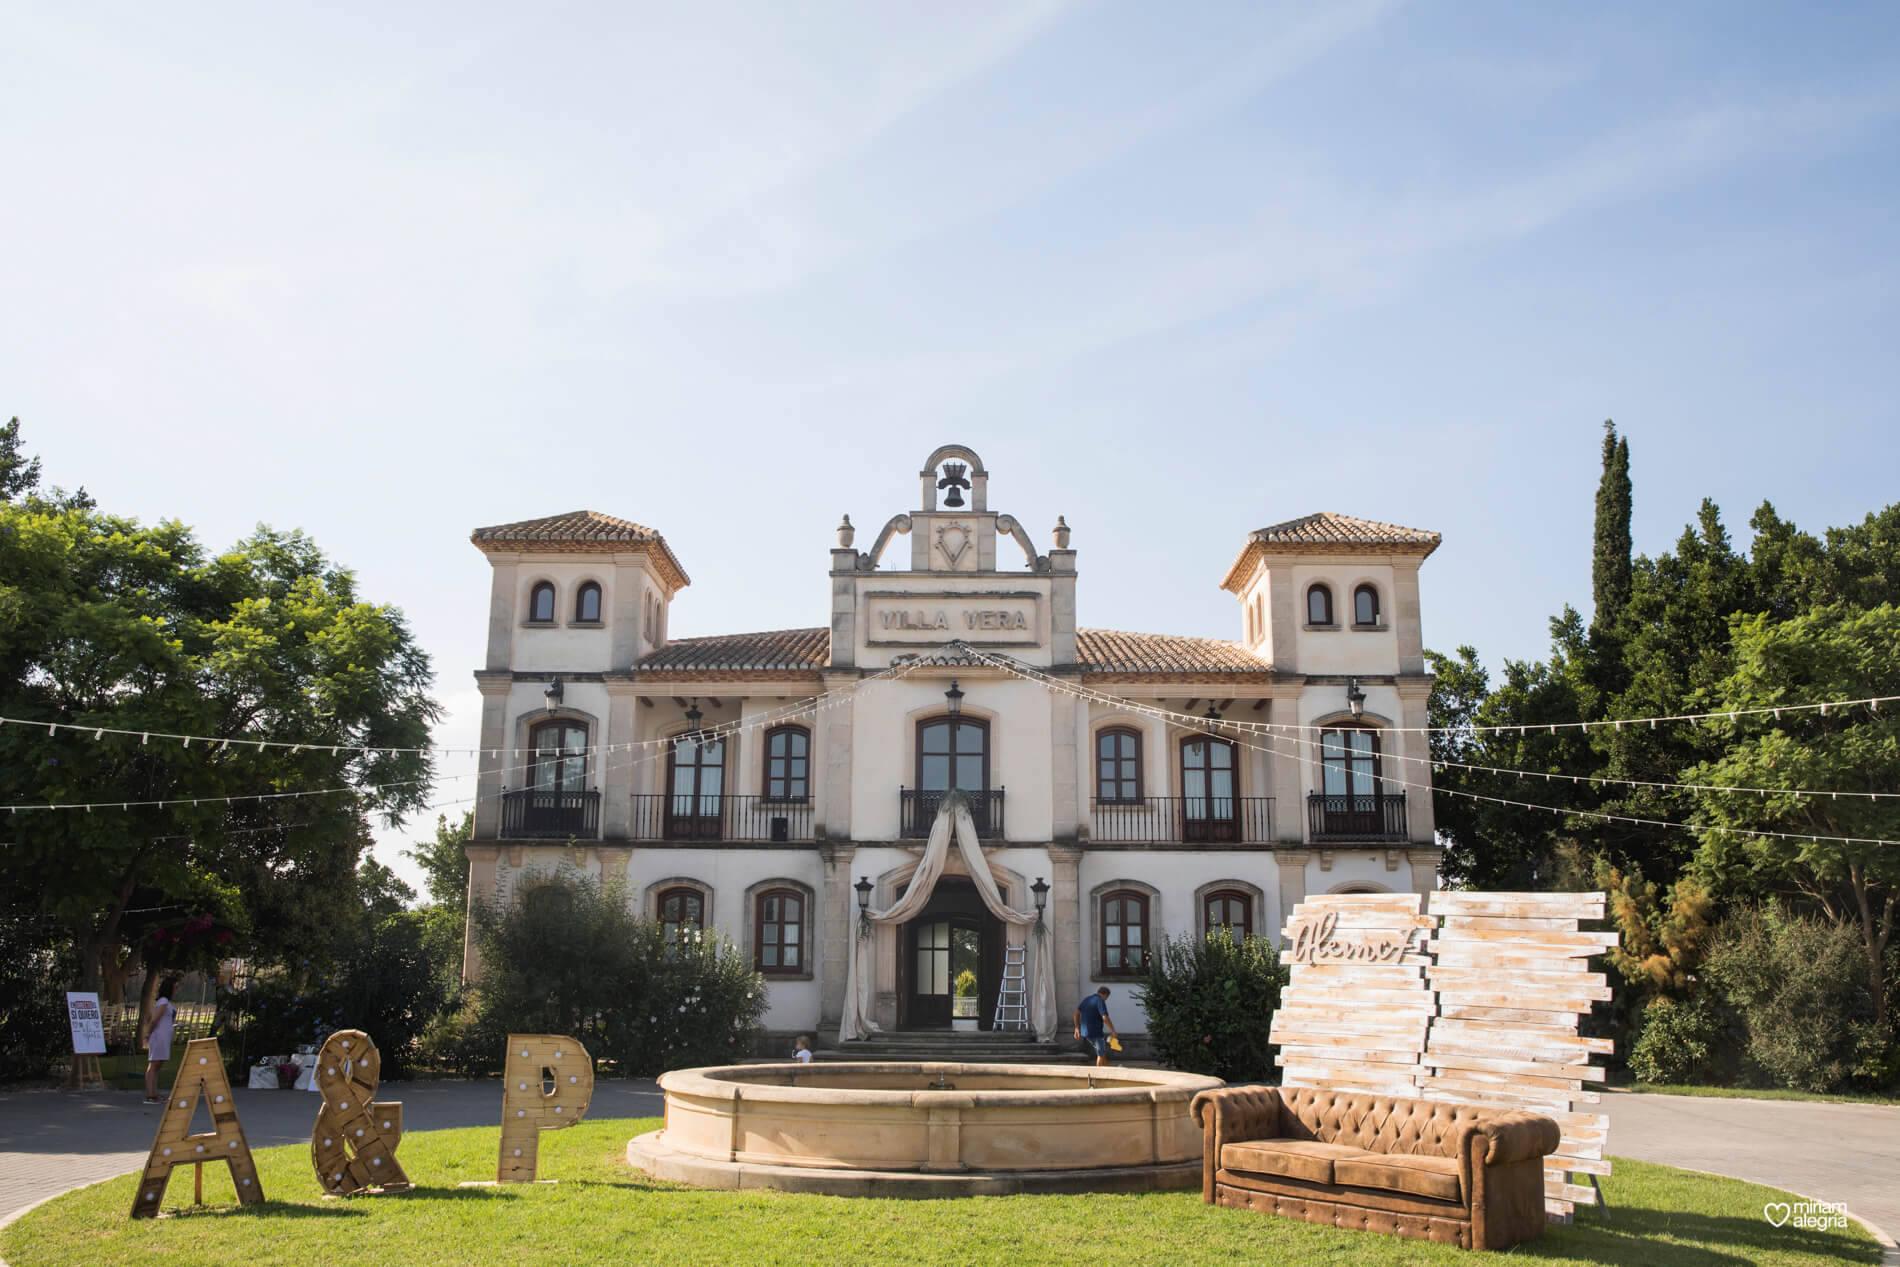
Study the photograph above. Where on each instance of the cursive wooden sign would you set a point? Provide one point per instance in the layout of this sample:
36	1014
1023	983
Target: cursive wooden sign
1315	941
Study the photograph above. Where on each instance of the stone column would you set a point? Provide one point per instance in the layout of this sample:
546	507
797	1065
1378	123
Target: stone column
1062	578
1065	926
839	911
493	757
838	725
1292	864
501	611
616	765
1283	619
1424	868
844	608
1415	746
1065	782
1406	621
624	621
481	888
1289	754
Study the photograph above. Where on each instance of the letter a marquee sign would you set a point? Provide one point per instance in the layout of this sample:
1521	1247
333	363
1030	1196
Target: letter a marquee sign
201	1076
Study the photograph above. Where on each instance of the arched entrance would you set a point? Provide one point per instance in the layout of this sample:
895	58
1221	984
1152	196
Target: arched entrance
953	934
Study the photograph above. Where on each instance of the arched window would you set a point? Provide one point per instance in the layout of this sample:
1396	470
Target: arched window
1349	759
587	604
696	786
1230	909
1319	605
1124	932
541	603
1209	794
557	757
1118	765
1365	606
680	909
778	933
548	902
788	764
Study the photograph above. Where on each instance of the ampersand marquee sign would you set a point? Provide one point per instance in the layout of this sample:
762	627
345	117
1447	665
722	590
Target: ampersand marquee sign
526	1110
200	1076
353	1144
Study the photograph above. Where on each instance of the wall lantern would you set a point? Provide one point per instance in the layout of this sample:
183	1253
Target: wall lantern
553	694
1213	714
1041	889
955	697
693	716
1355	698
864	887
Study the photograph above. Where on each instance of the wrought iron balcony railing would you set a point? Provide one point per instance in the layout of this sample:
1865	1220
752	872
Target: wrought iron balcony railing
663	816
1183	820
546	812
1378	816
917	810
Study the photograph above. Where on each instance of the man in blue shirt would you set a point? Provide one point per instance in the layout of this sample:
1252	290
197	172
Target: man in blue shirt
1090	1016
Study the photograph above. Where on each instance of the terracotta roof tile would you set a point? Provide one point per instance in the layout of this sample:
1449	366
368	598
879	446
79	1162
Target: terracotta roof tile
796	650
1113	651
1327	533
579	532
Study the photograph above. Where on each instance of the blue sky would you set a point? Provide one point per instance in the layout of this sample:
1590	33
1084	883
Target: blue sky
1175	271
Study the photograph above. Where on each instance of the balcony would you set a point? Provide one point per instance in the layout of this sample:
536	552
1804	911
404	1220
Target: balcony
729	819
1156	820
1380	816
917	810
545	812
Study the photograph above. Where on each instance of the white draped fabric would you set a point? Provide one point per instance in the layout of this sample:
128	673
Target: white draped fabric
953	820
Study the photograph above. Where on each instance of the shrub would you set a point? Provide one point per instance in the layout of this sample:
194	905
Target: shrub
1677	1041
395	983
1798	984
571	958
34	972
1210	1003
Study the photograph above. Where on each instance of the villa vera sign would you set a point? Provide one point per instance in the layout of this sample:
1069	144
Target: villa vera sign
997	619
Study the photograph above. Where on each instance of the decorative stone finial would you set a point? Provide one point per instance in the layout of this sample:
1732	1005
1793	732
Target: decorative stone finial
1062	533
846	533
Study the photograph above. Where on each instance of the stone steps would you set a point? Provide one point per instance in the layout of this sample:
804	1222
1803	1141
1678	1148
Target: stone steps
978	1048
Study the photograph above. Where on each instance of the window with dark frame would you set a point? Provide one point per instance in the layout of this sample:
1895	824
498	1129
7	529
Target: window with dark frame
1124	933
1118	765
541	603
1365	606
680	908
1319	605
587	604
788	764
557	757
1349	762
1231	909
778	940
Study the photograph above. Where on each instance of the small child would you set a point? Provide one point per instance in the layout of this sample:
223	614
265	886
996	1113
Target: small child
801	1050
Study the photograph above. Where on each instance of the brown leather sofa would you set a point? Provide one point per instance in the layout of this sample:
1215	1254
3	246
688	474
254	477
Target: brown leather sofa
1438	1172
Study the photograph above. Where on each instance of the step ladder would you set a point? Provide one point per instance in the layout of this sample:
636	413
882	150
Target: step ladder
1012	1001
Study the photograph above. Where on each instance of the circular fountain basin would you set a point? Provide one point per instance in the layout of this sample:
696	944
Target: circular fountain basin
926	1129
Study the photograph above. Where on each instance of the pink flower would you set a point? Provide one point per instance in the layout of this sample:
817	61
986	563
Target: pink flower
1206	1038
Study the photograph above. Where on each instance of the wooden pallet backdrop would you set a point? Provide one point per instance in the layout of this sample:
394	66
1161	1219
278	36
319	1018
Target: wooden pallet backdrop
1476	1000
1512	976
1356	1006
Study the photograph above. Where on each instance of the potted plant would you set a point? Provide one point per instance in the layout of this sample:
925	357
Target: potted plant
963	1008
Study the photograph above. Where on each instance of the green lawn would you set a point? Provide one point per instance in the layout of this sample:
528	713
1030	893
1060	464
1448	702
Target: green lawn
1751	1093
604	1211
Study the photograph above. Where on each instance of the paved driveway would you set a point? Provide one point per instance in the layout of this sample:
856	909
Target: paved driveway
1830	1152
51	1141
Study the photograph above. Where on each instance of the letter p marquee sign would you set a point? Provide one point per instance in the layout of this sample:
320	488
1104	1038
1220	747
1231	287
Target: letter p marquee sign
526	1110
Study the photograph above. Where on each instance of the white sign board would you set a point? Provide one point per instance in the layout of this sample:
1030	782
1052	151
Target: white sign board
89	1030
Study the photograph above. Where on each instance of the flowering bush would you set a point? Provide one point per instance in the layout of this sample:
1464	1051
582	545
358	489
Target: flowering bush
572	958
1210	1003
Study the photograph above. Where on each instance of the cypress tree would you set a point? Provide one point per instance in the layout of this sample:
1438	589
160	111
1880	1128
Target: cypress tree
1610	577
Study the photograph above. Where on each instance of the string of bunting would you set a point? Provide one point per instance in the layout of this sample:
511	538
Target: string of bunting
817	704
1213	727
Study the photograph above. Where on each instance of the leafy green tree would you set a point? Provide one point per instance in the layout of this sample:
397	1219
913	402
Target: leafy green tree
1831	653
444	860
19	475
381	891
108	623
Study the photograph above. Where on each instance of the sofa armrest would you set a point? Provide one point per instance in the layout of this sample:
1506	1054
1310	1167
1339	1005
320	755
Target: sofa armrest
1228	1115
1519	1136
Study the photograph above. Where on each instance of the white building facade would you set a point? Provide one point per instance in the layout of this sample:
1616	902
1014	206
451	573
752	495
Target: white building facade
1138	785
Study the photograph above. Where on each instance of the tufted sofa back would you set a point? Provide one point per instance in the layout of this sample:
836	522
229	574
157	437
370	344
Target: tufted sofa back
1376	1123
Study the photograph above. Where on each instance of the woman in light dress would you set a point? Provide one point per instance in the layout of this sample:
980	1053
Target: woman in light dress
158	1040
